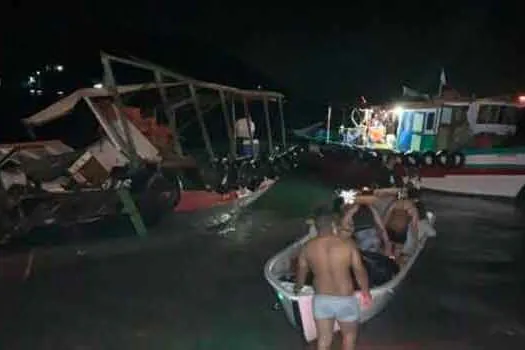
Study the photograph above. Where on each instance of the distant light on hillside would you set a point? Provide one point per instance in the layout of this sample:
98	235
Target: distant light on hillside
59	68
98	86
60	92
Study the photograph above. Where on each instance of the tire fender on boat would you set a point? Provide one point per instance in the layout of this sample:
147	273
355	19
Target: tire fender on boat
411	159
457	159
443	159
398	158
428	159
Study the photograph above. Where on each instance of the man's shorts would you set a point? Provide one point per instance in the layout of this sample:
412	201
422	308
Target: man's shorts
341	308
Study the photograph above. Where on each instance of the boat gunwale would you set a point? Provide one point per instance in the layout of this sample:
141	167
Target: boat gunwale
387	287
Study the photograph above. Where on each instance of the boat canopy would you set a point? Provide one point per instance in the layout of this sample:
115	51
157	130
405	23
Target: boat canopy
65	105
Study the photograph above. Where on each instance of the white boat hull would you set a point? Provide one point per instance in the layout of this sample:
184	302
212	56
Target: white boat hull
298	308
480	185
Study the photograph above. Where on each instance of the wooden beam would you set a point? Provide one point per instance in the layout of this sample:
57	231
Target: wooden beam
229	126
248	118
268	124
204	130
109	128
283	127
112	87
190	81
177	148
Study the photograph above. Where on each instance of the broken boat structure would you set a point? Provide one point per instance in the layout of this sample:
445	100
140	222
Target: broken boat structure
137	165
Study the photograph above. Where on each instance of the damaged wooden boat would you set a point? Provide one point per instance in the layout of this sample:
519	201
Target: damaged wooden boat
139	148
279	272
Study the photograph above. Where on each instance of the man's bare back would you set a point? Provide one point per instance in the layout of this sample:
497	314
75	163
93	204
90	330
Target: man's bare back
330	259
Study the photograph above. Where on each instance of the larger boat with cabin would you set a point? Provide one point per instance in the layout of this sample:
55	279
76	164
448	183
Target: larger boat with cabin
462	146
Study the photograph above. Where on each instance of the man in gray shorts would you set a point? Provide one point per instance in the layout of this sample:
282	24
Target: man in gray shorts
330	257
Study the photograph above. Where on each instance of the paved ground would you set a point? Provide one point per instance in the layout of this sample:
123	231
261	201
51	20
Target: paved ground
207	292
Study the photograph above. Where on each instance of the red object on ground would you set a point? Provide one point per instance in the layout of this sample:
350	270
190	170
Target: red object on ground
197	200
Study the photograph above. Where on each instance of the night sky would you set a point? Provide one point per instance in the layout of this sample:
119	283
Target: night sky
314	55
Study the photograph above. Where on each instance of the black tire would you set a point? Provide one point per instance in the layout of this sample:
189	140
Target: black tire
399	158
385	156
411	159
457	160
428	159
443	159
159	196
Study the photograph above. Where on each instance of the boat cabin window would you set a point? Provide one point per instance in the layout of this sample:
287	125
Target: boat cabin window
459	114
508	115
430	122
494	114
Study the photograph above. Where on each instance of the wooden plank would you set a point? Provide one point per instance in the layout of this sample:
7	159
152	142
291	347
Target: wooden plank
131	209
204	129
177	147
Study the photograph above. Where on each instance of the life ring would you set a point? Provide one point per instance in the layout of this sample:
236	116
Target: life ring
457	159
443	159
411	159
428	158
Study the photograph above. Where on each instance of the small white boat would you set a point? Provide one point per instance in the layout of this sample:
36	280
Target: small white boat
298	307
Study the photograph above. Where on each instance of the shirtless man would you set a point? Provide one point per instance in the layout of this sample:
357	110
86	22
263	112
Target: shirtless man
330	258
375	238
402	225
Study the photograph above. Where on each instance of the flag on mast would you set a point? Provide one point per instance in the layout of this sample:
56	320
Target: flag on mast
442	81
443	77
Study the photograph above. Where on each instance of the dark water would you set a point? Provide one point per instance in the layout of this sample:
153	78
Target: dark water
208	292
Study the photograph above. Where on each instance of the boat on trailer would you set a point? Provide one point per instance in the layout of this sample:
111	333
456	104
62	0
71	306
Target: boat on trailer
279	272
